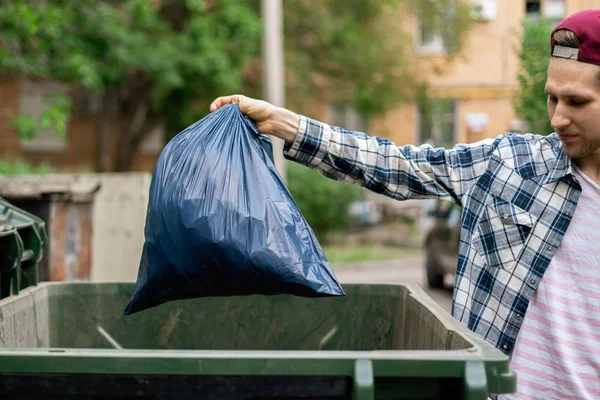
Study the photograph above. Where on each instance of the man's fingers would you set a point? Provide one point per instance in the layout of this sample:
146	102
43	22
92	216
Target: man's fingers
223	100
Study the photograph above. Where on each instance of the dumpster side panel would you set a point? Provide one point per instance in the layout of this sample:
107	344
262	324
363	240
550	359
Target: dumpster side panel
24	321
72	316
225	323
423	328
41	209
88	316
458	342
369	318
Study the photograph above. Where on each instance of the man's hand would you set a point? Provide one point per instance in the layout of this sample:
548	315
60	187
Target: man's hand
269	119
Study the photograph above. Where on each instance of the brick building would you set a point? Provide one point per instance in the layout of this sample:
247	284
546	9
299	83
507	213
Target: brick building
77	150
473	97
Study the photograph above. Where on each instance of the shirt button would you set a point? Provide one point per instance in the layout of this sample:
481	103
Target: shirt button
518	316
550	248
568	214
532	281
505	347
505	216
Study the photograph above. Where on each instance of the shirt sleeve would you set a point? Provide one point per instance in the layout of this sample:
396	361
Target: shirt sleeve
400	172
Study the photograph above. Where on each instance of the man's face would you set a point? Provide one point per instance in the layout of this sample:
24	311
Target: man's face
573	90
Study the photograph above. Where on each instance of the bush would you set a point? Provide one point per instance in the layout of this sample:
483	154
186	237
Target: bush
323	202
530	102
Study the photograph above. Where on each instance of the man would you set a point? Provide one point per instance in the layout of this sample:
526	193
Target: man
528	277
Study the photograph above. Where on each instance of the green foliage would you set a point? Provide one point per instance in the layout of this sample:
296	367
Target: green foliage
351	254
323	202
147	56
9	166
451	19
97	44
54	117
26	126
530	102
172	57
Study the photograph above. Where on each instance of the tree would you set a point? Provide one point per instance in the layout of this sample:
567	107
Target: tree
149	61
530	100
162	61
323	202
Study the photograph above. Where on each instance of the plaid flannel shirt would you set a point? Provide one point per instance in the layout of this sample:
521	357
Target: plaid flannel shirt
518	195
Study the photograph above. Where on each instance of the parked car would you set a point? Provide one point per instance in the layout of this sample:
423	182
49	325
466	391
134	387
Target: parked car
441	241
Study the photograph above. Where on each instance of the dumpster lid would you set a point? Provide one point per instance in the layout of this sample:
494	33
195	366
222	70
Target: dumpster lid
68	186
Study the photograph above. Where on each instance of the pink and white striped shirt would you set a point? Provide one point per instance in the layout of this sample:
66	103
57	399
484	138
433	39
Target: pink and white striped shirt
557	353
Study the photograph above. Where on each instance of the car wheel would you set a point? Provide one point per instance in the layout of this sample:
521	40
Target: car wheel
435	278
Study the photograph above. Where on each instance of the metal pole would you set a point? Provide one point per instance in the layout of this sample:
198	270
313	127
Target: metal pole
273	69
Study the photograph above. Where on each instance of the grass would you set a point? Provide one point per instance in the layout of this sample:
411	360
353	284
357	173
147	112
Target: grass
348	254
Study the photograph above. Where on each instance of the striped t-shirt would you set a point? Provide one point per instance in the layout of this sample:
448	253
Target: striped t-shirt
557	353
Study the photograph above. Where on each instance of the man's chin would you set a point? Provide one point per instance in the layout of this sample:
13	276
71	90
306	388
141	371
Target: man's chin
574	151
579	151
570	150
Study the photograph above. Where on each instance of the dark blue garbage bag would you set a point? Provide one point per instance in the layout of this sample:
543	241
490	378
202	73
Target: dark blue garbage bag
221	222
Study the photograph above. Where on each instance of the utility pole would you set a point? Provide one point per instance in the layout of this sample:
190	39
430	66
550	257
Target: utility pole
273	68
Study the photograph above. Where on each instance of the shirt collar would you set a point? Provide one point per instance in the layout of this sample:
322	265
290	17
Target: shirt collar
564	163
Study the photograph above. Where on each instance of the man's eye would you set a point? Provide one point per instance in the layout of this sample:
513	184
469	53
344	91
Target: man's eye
576	102
552	99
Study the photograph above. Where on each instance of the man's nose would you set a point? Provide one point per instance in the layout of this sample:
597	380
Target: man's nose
560	119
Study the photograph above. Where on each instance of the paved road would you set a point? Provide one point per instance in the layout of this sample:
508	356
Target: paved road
407	270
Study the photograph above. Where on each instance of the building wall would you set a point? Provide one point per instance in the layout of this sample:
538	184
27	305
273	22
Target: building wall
399	125
80	151
118	219
577	5
500	110
483	78
9	106
488	59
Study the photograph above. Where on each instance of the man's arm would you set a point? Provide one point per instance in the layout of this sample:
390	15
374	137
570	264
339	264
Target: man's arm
399	172
379	165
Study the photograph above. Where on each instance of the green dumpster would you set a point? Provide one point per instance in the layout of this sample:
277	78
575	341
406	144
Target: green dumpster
23	241
70	341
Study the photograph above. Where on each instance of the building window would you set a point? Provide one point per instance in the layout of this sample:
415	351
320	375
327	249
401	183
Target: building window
429	41
484	10
533	9
554	10
345	116
437	122
35	99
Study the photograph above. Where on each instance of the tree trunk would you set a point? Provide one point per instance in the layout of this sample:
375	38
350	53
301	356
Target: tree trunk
124	153
129	141
103	116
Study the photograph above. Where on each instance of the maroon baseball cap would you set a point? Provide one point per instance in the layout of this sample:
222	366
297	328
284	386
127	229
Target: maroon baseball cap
586	25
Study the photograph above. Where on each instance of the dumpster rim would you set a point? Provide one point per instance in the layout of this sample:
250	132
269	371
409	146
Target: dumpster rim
386	363
478	345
